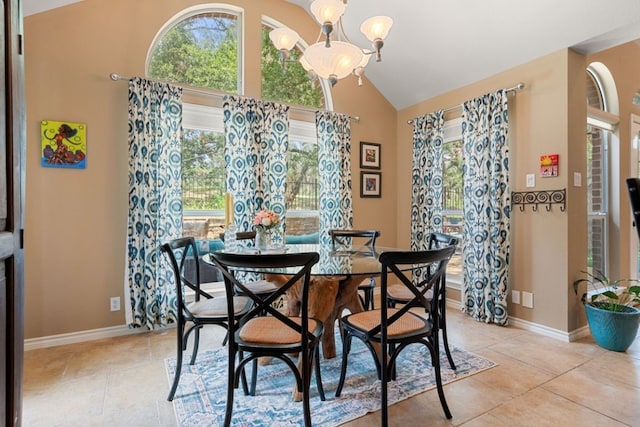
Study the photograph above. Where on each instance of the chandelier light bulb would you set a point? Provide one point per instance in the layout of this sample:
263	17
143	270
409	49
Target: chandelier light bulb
284	38
376	27
327	10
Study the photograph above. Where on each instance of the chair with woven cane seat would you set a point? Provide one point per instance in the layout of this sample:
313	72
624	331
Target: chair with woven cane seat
205	310
275	334
387	331
399	294
261	287
345	238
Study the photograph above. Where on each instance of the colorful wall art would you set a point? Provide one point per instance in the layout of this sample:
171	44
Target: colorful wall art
64	144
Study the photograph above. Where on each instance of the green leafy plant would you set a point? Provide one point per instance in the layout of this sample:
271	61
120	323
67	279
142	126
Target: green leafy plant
607	294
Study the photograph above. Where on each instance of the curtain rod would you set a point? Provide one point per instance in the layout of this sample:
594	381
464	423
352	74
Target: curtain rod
515	88
115	77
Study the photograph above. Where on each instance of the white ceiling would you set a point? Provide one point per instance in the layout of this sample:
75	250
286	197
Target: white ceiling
437	46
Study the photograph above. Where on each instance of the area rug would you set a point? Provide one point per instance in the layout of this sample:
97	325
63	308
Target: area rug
201	395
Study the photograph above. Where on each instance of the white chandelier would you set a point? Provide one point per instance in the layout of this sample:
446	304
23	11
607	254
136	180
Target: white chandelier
335	57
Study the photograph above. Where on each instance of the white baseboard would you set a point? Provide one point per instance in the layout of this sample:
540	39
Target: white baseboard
537	328
80	336
116	331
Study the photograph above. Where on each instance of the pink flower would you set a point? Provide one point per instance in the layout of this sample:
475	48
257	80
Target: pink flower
266	219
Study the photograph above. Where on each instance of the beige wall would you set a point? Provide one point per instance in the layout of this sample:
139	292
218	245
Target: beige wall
75	229
539	119
76	220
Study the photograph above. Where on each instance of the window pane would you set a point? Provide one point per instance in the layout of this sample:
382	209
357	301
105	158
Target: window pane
291	85
203	183
303	188
200	51
597	197
452	201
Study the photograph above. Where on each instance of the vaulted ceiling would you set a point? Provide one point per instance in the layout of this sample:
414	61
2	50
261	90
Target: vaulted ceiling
437	46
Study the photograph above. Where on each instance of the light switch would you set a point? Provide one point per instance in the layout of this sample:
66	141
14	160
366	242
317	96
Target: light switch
531	180
577	179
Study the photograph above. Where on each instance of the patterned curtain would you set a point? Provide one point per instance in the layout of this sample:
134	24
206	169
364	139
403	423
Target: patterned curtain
426	195
255	152
334	159
426	191
155	200
486	207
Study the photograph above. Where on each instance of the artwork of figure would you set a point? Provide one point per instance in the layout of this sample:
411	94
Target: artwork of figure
64	144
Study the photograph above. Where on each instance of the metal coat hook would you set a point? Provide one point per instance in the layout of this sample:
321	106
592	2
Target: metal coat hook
535	198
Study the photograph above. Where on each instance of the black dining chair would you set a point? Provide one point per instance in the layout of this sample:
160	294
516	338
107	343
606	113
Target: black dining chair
205	310
399	294
274	334
261	286
387	331
345	238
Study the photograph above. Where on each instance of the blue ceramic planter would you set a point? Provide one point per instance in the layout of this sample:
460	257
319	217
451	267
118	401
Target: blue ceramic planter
613	330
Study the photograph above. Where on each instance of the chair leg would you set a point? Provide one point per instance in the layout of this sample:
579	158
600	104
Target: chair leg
176	377
230	385
436	367
254	376
445	340
316	363
196	343
346	347
370	294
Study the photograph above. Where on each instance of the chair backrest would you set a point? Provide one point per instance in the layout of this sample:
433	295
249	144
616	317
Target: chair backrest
344	237
397	263
438	240
295	269
242	235
633	187
180	253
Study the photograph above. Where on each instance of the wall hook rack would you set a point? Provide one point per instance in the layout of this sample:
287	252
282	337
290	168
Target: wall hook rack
535	198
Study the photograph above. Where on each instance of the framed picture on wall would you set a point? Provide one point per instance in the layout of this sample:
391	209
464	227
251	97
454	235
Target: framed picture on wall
369	155
370	184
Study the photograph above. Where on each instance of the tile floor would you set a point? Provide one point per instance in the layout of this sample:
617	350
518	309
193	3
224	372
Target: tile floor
540	381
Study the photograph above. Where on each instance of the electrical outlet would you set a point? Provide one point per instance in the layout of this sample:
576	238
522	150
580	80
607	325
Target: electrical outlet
577	179
531	180
114	303
515	297
527	299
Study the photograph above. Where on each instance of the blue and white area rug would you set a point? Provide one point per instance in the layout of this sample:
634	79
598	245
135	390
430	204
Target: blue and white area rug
201	395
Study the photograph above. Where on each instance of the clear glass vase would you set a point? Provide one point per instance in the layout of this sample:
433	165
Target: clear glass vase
262	240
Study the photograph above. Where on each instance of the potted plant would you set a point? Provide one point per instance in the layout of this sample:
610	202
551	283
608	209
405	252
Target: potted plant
612	318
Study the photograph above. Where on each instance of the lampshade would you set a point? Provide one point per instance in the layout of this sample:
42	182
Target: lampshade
337	61
327	10
376	27
284	38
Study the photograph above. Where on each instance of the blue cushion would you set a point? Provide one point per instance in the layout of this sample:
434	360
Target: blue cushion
302	239
209	245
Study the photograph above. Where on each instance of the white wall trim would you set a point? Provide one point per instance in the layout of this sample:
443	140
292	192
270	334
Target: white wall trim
117	331
80	336
537	328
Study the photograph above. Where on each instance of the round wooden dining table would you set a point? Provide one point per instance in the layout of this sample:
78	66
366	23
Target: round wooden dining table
334	282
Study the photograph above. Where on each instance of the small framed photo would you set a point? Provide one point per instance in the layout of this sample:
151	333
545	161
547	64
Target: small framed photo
370	184
369	155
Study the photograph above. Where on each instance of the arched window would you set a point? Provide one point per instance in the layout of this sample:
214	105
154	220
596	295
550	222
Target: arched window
200	48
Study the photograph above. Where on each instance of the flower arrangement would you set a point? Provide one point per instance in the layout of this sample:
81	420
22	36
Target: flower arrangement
266	220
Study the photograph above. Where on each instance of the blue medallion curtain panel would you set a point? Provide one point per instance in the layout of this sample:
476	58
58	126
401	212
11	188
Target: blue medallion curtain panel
255	152
426	185
487	199
334	171
155	200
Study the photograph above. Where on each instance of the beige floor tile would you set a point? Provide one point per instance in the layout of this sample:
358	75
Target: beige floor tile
539	381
